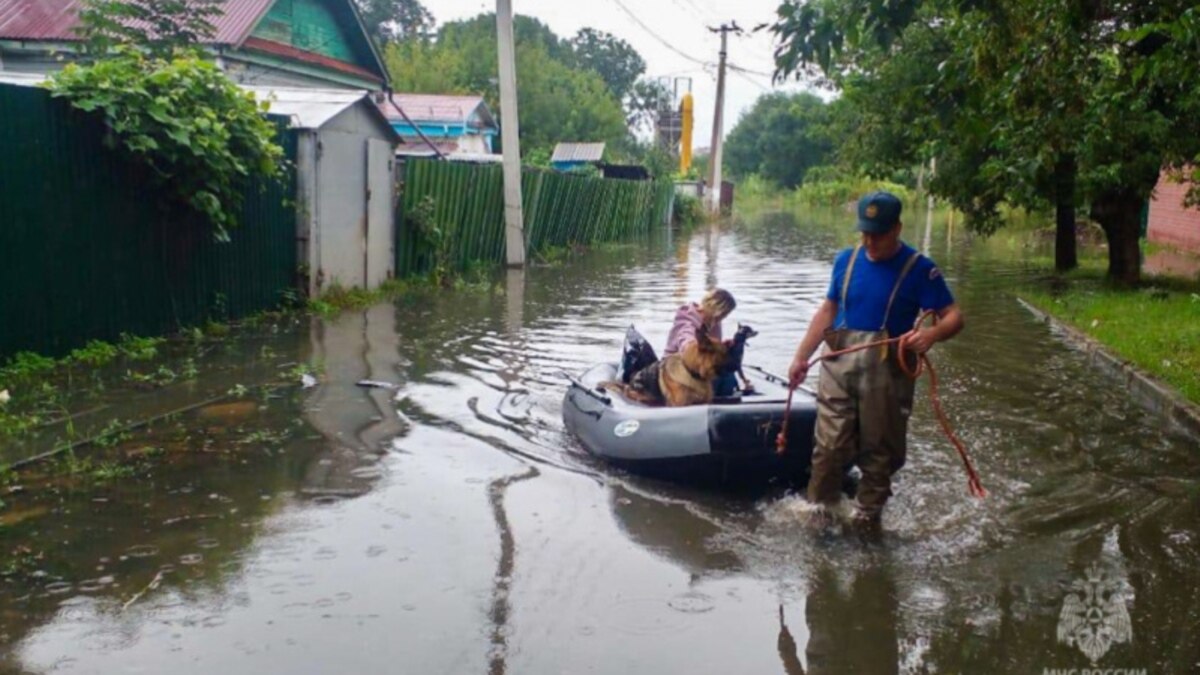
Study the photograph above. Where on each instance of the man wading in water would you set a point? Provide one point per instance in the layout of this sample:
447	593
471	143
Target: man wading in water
864	399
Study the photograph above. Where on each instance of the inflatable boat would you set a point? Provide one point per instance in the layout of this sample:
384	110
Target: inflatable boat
728	443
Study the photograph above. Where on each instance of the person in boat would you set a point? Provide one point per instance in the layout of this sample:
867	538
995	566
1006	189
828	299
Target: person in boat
878	289
713	308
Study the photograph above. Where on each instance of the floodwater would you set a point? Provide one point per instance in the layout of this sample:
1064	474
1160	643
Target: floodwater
451	526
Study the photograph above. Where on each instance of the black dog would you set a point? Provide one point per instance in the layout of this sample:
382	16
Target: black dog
737	349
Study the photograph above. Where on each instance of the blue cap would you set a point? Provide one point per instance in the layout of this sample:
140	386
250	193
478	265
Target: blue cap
878	212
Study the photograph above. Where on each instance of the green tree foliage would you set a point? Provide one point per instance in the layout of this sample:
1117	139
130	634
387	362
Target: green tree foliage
615	60
1022	101
557	101
781	138
199	134
157	26
424	67
643	104
389	20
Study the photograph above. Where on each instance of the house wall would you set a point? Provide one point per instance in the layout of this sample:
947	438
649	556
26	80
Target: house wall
307	232
1169	221
268	76
474	144
307	25
567	166
40	63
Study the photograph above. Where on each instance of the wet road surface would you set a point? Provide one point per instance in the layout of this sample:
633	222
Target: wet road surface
450	526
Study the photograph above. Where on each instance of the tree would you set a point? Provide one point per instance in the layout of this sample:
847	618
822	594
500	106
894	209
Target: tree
391	20
159	27
1030	100
557	100
781	138
644	103
558	103
423	67
615	60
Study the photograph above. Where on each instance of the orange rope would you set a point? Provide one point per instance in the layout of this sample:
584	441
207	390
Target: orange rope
973	482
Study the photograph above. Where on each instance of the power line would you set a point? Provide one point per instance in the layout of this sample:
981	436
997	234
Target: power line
656	36
749	71
690	13
751	80
705	10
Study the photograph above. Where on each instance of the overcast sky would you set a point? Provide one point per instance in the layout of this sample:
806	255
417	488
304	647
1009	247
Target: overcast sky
681	24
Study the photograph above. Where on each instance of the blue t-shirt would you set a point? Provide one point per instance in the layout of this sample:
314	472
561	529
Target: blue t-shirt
871	285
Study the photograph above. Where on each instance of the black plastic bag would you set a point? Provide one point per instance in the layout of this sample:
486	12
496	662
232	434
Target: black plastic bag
635	355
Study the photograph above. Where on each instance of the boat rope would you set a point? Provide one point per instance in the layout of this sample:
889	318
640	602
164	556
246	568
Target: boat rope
923	363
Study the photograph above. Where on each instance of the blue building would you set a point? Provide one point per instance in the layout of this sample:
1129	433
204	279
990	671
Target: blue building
457	125
569	156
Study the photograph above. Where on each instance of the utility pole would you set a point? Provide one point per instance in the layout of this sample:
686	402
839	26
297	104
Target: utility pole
514	220
716	154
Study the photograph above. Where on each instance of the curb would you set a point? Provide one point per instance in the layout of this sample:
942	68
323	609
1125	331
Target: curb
1148	391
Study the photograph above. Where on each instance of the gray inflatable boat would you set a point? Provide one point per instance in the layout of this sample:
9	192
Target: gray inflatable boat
729	443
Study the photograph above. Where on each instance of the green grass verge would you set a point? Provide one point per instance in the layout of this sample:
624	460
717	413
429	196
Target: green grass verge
1156	327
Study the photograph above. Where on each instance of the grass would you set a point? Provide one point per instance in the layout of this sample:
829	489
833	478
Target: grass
1156	326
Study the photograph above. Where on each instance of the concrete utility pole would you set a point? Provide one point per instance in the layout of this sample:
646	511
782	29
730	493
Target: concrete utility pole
716	154
514	219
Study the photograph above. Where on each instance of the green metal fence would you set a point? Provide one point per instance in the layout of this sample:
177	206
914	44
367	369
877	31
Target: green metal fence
465	204
86	253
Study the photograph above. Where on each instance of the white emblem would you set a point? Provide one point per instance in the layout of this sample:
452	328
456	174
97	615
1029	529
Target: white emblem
1094	616
626	428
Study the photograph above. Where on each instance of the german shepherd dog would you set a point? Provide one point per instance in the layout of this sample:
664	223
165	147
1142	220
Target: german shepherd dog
685	378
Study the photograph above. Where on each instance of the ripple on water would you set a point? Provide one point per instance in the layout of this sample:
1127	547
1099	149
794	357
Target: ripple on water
142	551
692	602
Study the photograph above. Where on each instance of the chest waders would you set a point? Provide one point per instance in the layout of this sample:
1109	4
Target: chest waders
863	403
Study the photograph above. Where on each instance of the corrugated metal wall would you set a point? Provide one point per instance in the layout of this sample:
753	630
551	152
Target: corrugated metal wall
468	202
86	253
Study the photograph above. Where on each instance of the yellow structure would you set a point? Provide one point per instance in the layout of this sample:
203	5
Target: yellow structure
685	140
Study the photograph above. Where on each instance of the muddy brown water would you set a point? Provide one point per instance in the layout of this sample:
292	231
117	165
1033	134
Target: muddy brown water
450	526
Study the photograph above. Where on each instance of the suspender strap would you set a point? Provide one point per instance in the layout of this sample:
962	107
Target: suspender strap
849	271
908	265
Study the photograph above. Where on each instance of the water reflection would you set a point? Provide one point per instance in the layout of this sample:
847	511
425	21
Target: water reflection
676	529
505	569
359	423
425	534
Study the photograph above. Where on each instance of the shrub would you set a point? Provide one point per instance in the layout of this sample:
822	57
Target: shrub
688	212
201	136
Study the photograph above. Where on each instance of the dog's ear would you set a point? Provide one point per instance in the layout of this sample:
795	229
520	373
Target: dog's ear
702	333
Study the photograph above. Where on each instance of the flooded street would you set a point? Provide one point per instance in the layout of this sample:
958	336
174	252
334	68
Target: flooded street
451	526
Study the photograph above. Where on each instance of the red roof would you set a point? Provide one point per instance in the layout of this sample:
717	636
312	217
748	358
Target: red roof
288	51
437	108
56	20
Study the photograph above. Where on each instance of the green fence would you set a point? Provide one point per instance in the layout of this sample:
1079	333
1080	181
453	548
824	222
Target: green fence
86	254
465	203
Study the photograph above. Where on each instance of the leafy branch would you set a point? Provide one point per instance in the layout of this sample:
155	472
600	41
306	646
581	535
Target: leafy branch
202	137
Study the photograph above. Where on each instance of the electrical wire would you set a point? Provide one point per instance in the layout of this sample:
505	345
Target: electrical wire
752	81
748	71
658	37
